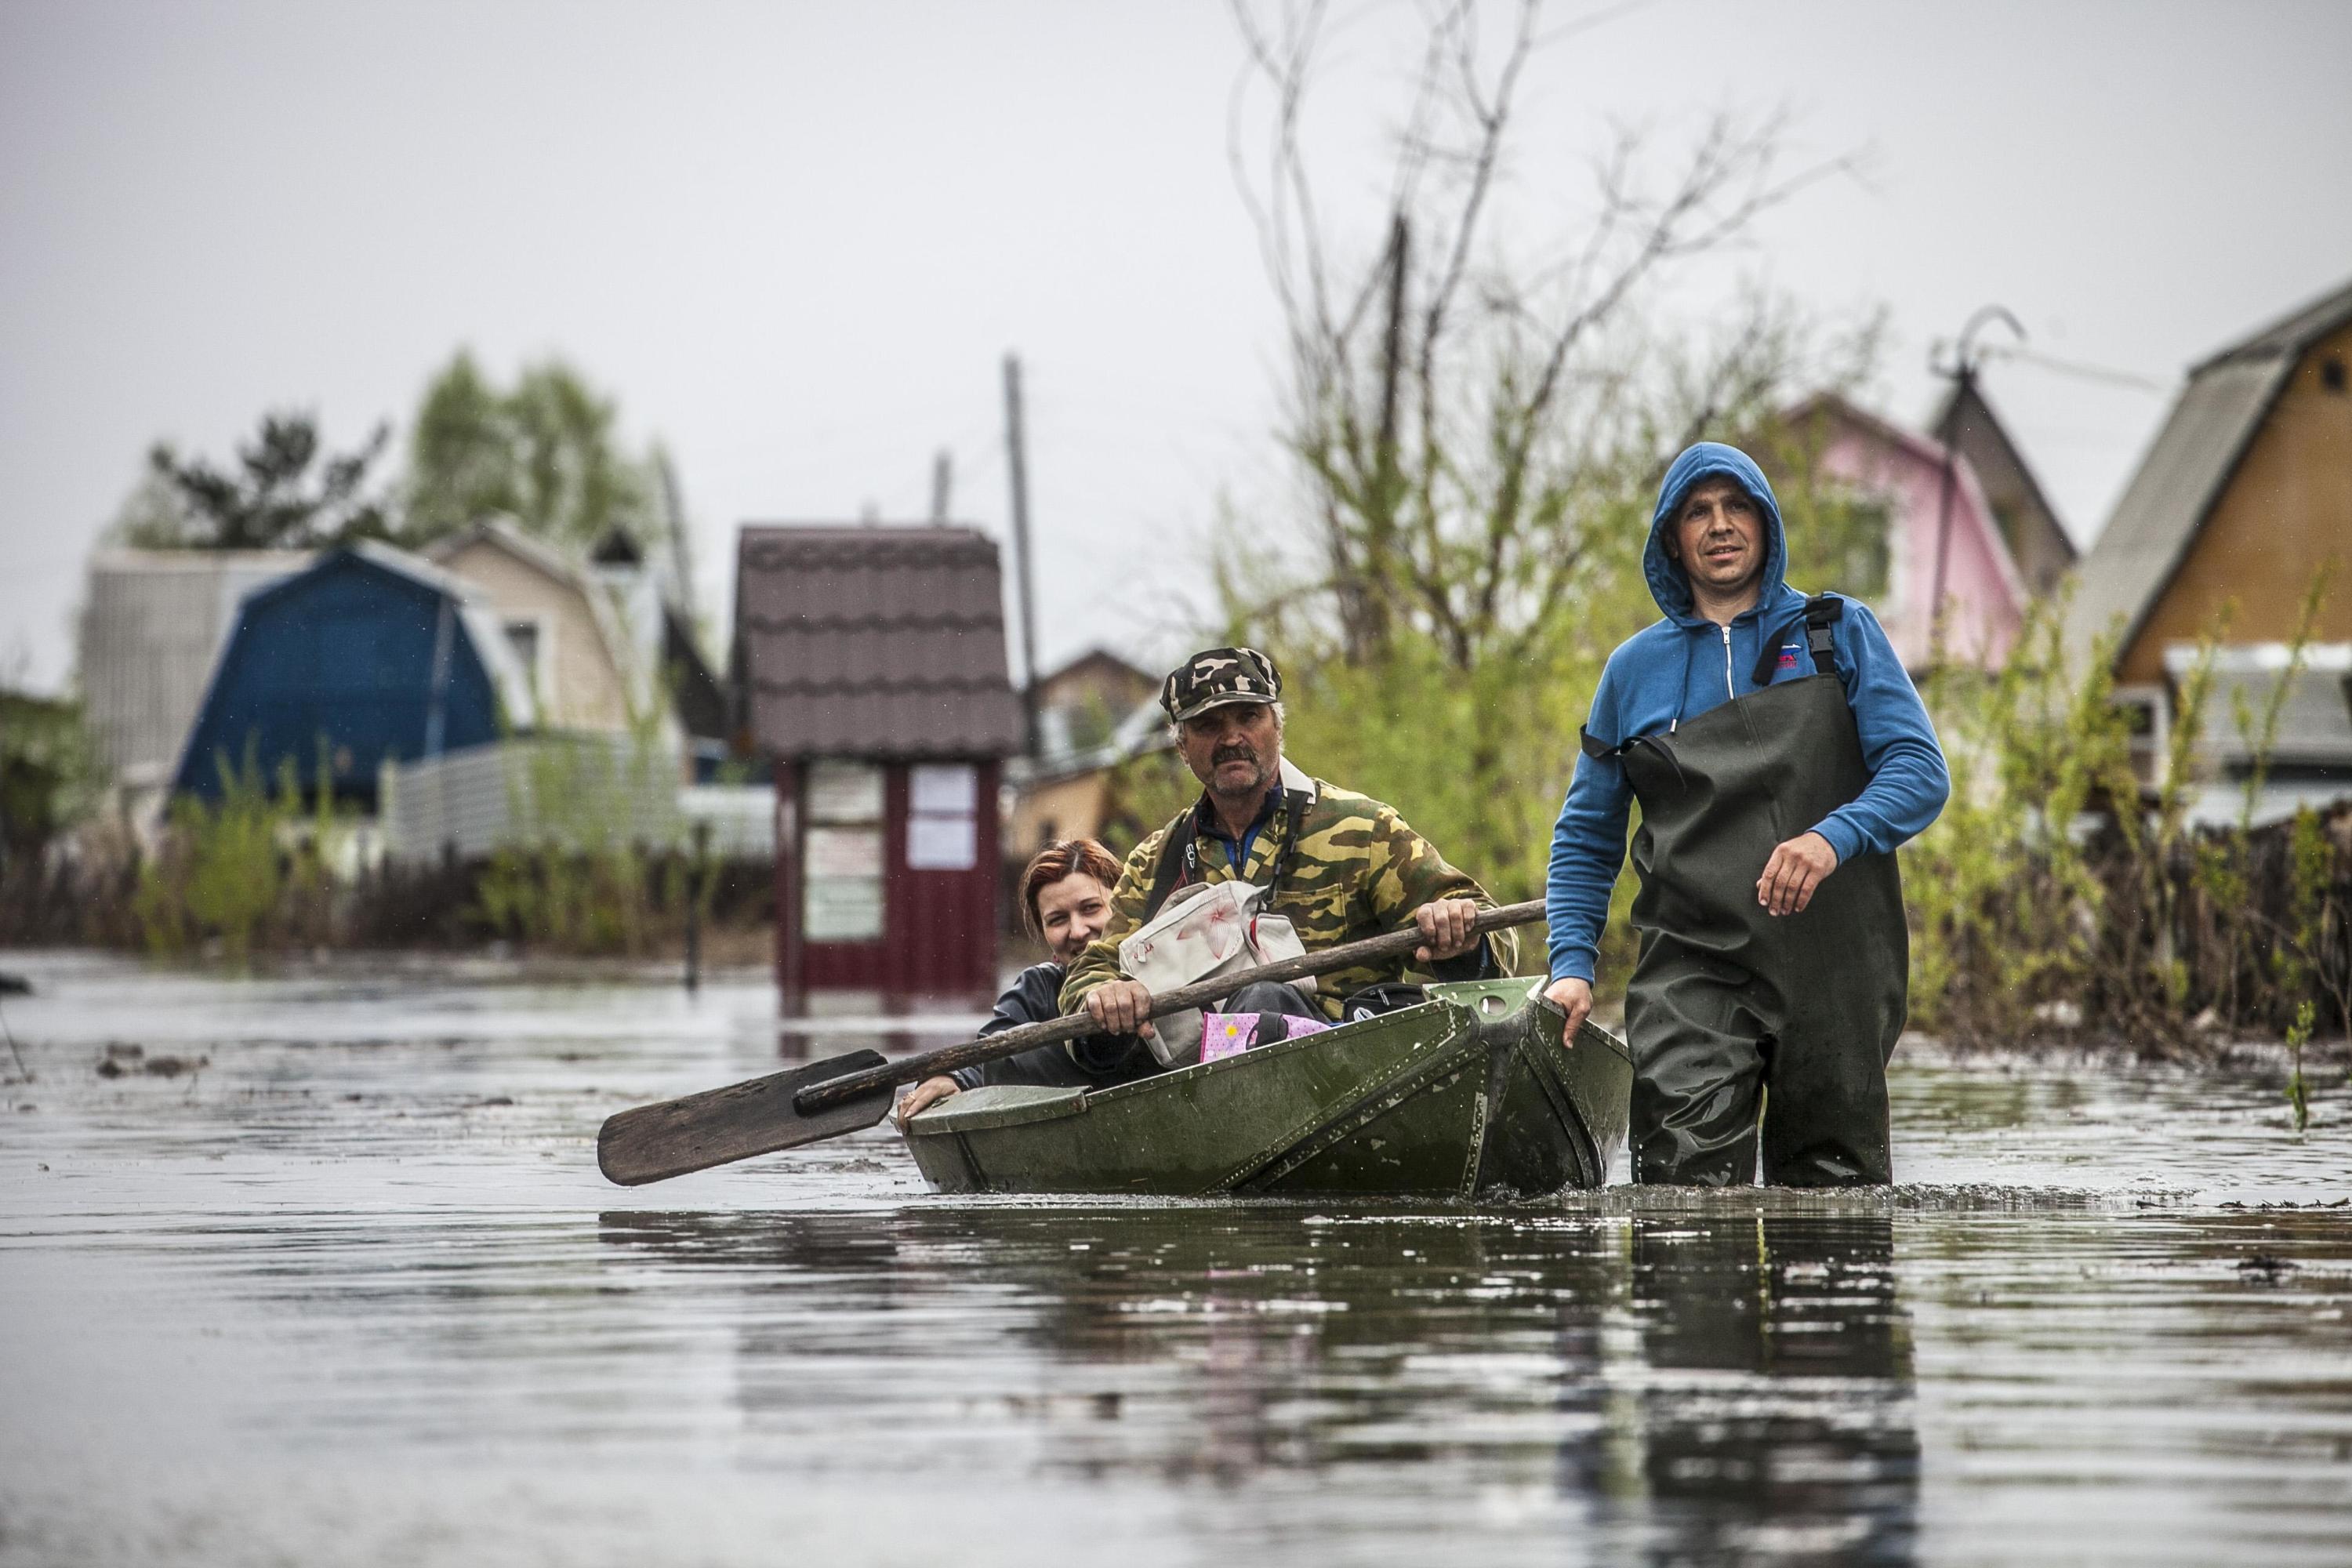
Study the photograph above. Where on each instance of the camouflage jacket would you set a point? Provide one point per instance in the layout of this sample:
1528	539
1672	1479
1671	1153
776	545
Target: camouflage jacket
1358	871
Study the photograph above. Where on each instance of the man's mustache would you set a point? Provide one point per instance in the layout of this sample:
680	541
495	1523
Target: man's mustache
1232	755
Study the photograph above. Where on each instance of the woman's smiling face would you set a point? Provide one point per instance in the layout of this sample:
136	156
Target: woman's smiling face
1071	913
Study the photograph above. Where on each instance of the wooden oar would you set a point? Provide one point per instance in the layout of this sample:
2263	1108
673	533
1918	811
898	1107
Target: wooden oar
842	1094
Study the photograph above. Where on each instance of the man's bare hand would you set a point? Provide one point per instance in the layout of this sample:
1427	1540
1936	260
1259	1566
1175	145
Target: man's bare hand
1796	868
922	1097
1573	997
1119	1007
1446	930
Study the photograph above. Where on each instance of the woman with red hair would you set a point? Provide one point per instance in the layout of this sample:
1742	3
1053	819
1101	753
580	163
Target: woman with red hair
1066	904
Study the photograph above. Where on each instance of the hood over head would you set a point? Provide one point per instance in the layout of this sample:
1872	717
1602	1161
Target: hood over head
1706	460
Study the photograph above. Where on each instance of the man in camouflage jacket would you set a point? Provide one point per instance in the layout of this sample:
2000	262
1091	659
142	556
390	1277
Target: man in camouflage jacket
1342	866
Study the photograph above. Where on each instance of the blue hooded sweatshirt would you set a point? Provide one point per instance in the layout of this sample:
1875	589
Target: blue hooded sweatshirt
1683	666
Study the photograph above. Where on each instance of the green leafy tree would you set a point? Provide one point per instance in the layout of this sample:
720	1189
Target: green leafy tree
544	454
240	870
50	773
284	490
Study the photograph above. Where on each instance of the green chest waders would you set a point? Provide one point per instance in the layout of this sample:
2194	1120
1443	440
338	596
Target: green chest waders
1730	1004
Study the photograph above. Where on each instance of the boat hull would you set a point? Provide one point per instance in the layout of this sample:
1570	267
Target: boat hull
1470	1095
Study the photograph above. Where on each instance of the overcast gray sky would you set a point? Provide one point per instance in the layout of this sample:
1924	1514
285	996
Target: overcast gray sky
794	240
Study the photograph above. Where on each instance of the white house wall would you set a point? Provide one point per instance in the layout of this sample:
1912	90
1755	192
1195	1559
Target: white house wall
579	792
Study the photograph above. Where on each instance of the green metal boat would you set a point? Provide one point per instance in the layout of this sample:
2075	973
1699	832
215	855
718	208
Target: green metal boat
1470	1095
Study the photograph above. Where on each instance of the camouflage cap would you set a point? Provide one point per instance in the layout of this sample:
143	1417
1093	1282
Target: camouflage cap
1218	676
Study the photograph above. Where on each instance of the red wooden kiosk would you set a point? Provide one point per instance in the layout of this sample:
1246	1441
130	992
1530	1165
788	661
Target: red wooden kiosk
870	667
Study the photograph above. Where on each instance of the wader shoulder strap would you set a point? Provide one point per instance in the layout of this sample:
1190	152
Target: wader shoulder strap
1617	753
1180	862
1294	823
1823	611
1180	853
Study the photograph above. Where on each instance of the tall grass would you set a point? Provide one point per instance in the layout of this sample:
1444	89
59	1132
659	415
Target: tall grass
244	871
263	868
595	871
2057	896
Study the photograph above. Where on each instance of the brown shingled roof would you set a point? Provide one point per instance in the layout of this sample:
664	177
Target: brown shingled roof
874	642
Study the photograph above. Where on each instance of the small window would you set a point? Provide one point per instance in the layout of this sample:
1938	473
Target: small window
943	818
522	638
2331	372
840	878
1866	555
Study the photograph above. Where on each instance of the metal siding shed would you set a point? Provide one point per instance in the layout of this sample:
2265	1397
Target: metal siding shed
370	654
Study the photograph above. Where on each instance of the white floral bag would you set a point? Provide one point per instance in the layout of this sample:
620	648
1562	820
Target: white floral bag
1205	930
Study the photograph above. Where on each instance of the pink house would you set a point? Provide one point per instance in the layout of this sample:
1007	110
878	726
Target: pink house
1870	459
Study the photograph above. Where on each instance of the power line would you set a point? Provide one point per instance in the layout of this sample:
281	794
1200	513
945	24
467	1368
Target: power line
2078	368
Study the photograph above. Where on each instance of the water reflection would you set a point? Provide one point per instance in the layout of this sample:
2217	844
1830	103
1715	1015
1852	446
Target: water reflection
1777	1420
367	1246
1682	1389
820	1023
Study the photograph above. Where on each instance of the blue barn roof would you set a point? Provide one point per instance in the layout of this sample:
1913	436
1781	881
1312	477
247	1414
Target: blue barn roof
368	654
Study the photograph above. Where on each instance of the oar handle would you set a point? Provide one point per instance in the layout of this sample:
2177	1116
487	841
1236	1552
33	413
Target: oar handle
1077	1026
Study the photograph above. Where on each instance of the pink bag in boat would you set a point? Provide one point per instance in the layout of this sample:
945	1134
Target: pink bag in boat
1231	1034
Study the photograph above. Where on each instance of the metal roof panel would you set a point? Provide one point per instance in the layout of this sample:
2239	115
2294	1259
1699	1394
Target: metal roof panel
873	641
2176	485
2291	333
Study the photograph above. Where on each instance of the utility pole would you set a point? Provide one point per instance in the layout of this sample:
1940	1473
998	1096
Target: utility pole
681	547
1963	374
943	484
1364	605
1016	451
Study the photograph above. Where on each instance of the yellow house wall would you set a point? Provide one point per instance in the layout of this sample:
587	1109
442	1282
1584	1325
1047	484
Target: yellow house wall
2287	511
578	689
1066	808
1096	681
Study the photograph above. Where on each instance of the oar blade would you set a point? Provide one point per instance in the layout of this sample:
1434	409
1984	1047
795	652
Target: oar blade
719	1126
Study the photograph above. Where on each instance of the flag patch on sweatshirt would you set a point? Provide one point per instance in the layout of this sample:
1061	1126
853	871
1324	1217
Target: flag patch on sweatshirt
1788	652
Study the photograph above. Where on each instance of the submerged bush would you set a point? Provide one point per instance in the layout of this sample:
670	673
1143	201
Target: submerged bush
244	870
263	868
604	867
2057	895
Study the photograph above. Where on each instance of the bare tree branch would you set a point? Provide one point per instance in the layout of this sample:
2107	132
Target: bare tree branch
1460	421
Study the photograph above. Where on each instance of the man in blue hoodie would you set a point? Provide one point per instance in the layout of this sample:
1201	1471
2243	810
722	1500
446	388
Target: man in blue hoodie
1779	753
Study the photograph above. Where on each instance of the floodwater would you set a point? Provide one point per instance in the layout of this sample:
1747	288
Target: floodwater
346	1287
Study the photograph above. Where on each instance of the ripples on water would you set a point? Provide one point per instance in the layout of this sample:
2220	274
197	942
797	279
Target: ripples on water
352	1291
